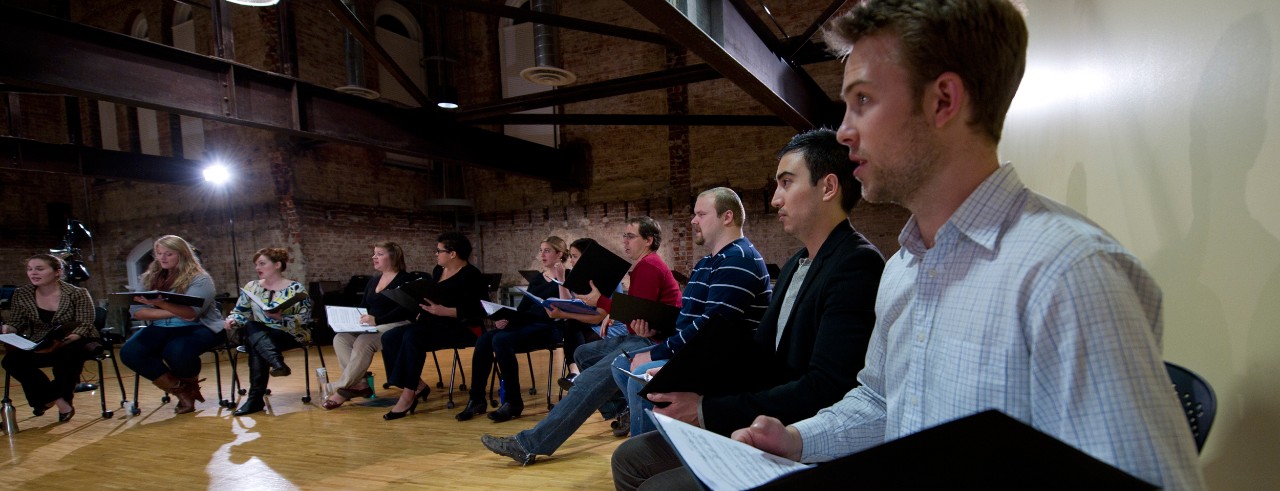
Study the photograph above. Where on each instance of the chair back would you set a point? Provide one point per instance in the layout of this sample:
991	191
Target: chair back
1198	401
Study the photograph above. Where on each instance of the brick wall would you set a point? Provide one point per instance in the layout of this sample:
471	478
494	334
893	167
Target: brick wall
328	202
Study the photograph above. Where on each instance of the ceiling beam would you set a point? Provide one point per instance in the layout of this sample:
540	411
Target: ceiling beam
638	119
746	60
516	13
49	54
30	155
799	42
587	92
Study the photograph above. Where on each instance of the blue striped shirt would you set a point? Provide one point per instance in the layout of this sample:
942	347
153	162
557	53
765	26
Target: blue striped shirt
733	283
1024	306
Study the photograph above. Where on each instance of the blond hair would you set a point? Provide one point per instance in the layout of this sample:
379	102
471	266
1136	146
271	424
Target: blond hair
157	278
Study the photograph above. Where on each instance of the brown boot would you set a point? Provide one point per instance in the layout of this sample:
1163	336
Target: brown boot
186	390
188	393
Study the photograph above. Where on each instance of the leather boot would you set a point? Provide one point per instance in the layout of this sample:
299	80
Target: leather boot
254	401
188	393
185	390
260	342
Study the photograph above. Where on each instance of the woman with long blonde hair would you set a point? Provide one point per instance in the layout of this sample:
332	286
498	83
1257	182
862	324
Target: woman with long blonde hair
167	351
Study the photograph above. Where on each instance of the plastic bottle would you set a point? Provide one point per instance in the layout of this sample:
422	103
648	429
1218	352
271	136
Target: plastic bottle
322	381
10	419
502	392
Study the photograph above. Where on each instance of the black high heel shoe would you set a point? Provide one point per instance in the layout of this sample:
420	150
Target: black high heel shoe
64	417
391	415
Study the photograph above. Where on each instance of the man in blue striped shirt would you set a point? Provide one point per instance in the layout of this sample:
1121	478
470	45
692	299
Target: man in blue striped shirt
999	298
731	282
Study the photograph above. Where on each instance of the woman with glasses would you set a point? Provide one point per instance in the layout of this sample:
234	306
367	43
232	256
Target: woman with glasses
460	286
532	328
355	349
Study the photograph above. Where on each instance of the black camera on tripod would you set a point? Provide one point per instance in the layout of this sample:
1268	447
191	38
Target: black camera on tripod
75	270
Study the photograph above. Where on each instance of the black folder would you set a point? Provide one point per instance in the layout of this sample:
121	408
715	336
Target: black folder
598	265
414	293
530	275
988	450
177	298
723	358
660	316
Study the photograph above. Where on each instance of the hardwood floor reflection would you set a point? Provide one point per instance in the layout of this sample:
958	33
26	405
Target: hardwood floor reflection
292	445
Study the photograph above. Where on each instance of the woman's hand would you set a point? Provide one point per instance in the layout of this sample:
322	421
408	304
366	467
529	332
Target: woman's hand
368	320
7	329
500	323
557	271
229	323
438	310
150	302
71	338
554	312
278	316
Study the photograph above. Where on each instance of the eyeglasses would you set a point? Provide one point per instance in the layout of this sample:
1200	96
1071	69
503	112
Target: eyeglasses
630	236
442	251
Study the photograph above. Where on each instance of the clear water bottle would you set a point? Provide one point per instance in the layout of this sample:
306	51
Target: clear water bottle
322	381
10	419
502	392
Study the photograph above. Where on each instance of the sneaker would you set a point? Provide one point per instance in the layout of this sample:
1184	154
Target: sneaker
508	446
622	426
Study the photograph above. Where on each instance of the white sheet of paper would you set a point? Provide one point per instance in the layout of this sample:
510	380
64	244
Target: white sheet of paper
346	319
721	462
18	341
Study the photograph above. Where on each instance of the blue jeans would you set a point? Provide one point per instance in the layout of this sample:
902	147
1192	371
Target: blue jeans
593	387
157	350
631	387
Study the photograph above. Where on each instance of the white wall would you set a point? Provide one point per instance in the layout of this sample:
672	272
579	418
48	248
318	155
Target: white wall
1159	119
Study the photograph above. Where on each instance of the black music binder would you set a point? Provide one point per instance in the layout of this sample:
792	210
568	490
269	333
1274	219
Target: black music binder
988	450
598	265
660	316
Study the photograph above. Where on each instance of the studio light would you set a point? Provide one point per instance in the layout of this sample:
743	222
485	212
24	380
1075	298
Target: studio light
255	3
217	174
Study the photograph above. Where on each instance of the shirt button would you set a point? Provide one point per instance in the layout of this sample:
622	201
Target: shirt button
933	273
920	338
915	400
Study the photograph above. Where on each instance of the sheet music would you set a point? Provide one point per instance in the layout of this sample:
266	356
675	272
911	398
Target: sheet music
720	462
491	308
18	341
346	319
643	378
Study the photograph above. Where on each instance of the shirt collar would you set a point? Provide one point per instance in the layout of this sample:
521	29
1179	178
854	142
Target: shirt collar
980	217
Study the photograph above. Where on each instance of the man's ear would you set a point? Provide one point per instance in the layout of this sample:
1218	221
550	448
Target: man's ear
945	99
726	218
830	186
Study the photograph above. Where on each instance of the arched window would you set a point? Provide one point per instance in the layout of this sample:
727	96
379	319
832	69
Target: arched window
398	32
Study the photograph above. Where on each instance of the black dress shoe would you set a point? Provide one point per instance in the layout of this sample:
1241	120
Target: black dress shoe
279	369
507	411
250	406
64	417
473	408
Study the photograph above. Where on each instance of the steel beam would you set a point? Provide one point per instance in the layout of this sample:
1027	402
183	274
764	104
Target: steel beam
746	60
30	155
637	119
49	54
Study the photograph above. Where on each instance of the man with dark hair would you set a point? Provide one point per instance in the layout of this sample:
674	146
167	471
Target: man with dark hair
817	328
741	291
999	298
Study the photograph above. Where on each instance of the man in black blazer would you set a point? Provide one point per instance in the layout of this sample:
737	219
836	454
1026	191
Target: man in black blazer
817	326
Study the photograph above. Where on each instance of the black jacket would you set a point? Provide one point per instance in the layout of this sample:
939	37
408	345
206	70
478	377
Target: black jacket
824	345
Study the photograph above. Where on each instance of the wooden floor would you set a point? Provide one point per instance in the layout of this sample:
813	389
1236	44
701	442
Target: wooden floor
292	445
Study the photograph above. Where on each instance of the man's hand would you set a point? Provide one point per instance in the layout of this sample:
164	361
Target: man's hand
500	323
641	328
640	359
592	297
769	434
683	405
